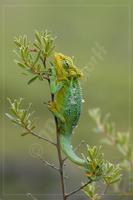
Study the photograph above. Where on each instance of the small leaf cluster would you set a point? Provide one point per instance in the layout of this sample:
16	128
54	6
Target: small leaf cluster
91	192
44	43
94	160
111	173
103	125
100	169
122	140
33	56
21	116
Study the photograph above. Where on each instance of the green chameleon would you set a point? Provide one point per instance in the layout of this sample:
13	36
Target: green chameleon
66	107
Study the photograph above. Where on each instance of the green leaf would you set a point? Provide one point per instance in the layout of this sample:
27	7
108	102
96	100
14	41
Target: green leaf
32	80
37	58
10	116
38	37
21	65
17	42
24	74
25	133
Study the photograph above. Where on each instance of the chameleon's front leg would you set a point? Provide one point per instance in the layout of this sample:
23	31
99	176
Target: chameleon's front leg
54	88
53	108
55	85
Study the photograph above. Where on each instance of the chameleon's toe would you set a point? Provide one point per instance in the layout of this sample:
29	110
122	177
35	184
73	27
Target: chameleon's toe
52	106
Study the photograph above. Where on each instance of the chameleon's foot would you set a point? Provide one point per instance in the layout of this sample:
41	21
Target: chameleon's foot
53	108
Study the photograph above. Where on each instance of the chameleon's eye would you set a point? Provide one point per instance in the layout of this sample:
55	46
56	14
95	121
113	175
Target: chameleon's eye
66	64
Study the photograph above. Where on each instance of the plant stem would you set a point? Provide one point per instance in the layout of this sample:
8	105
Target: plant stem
38	136
47	163
106	189
78	189
60	160
61	163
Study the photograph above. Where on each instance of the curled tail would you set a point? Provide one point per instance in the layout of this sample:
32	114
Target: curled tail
65	142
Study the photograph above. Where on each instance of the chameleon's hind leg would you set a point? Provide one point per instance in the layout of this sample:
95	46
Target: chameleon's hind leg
53	108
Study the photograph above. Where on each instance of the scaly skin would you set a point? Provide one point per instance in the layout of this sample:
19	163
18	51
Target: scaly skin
64	84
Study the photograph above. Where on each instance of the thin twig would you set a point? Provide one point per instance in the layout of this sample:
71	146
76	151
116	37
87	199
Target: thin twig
37	135
106	189
79	145
48	164
78	189
51	165
60	159
59	152
40	137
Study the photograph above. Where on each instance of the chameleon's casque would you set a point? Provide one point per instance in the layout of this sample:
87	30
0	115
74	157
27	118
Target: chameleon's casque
64	84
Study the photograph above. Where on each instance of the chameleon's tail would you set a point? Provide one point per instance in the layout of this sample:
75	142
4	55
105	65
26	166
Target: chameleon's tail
65	141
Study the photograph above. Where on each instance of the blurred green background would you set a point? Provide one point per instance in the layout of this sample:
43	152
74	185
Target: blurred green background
99	33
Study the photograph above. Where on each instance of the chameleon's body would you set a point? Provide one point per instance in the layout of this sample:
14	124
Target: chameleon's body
66	107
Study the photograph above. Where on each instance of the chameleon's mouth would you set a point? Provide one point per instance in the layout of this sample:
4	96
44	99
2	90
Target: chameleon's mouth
58	57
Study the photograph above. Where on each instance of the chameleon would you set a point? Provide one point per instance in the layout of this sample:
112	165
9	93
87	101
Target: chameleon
66	107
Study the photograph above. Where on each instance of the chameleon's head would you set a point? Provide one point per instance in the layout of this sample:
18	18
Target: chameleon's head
65	66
